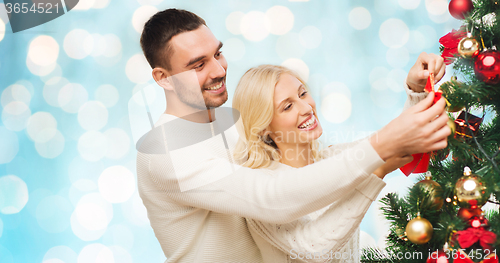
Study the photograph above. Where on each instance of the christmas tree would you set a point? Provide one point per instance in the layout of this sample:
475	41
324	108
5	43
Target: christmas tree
442	219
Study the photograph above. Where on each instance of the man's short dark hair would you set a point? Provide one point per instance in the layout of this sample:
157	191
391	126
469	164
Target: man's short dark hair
160	28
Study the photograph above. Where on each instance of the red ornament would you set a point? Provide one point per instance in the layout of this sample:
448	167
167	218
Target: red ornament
468	237
466	213
460	8
438	257
450	44
487	67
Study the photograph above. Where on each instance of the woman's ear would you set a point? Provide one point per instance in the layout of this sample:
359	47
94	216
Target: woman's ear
160	75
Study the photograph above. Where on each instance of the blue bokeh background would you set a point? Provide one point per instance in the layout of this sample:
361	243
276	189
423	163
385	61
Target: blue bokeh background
67	156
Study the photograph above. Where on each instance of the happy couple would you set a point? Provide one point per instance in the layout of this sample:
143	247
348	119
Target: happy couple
262	189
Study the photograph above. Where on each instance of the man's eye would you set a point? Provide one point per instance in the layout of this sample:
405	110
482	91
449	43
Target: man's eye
199	66
218	54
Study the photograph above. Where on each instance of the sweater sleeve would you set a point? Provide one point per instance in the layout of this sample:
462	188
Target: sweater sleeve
252	193
323	231
413	97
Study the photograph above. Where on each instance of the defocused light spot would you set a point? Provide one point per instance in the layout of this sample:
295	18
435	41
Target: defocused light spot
116	184
108	94
394	33
438	19
298	66
15	115
141	16
255	26
43	51
409	4
100	4
84	4
118	143
98	253
336	108
13	194
336	87
121	255
78	43
280	20
397	57
52	147
41	121
93	213
39	70
51	90
93	115
233	23
15	92
9	145
436	7
360	18
288	46
234	49
81	188
92	146
2	24
53	214
63	253
119	235
71	97
310	37
138	69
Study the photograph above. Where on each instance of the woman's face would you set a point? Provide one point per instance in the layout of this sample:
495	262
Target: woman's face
295	120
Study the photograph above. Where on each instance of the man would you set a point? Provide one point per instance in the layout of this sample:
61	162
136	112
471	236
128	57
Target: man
196	198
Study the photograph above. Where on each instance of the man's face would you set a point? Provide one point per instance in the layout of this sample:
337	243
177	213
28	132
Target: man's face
198	52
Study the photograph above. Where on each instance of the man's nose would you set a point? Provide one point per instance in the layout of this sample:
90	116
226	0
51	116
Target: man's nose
217	70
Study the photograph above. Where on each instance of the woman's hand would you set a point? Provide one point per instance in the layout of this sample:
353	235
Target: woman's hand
392	164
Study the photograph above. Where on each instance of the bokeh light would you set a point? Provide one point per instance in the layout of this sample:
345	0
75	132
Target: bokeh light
336	107
233	49
50	148
93	115
360	18
310	37
233	22
107	94
394	33
15	92
138	69
118	143
63	253
78	43
53	214
13	194
92	146
280	20
141	15
71	97
299	66
96	253
15	115
43	51
255	26
116	184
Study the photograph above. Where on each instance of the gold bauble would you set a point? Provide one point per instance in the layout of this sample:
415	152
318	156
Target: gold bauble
471	191
435	191
467	46
419	230
452	126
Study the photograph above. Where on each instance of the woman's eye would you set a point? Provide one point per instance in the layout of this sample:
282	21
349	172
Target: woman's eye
287	107
303	94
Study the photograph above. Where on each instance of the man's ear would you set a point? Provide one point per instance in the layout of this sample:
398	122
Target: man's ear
161	77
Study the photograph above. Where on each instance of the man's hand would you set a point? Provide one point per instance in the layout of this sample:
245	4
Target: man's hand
392	164
416	130
426	63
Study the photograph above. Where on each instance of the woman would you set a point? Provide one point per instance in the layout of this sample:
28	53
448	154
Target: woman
279	131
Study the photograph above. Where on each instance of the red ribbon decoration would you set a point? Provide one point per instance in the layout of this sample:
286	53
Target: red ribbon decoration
468	237
463	258
420	163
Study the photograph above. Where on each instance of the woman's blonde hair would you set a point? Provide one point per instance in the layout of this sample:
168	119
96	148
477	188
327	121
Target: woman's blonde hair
254	99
